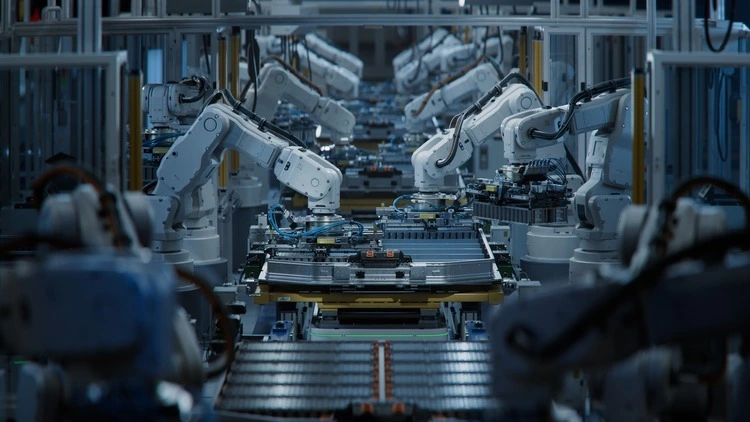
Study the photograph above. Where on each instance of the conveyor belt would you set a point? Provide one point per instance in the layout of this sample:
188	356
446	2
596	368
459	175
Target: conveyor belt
450	379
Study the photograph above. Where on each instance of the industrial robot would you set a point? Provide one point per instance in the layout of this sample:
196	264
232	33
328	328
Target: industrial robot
423	63
95	324
249	185
419	111
444	153
336	81
428	42
604	108
334	78
333	54
448	54
632	334
192	160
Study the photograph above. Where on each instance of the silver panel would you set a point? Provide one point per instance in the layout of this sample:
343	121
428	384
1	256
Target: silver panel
313	379
520	215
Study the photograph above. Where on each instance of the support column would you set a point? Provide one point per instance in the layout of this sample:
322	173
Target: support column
639	139
221	84
234	86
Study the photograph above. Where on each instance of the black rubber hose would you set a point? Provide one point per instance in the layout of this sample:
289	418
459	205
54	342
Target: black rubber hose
262	123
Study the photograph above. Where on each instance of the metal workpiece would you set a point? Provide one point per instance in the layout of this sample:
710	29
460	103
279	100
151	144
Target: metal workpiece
516	214
407	252
406	378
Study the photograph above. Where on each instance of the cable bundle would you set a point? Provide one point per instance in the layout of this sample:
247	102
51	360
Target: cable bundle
314	232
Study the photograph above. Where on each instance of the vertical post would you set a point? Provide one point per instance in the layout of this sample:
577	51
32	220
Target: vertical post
5	14
173	55
684	25
554	10
234	57
92	148
638	107
222	83
718	13
135	117
744	116
89	27
136	8
522	52
538	72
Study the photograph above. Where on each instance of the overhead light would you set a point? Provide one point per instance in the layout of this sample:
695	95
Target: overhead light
318	131
461	3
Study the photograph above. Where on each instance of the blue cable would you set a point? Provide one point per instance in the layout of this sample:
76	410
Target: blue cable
396	201
314	232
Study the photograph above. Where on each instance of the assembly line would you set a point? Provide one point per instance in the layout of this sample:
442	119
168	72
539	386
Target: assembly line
277	210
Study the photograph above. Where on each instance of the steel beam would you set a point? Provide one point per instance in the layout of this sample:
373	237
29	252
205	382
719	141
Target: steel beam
154	25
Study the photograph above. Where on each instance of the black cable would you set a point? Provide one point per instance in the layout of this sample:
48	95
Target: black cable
700	181
706	33
261	122
651	275
421	55
309	66
149	187
573	162
645	279
206	39
586	94
222	315
492	93
428	50
717	122
203	86
486	38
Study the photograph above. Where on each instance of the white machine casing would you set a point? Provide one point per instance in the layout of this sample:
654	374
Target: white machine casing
418	70
476	81
277	84
476	130
192	160
342	58
336	80
410	54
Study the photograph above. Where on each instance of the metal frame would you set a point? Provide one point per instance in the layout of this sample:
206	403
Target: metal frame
113	63
154	25
581	67
657	63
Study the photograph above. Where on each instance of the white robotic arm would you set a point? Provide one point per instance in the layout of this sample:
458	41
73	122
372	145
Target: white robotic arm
455	56
429	175
521	132
175	104
337	80
410	54
342	58
417	71
478	80
193	158
268	45
277	83
606	193
607	162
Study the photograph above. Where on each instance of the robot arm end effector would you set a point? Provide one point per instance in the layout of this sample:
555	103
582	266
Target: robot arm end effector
312	176
192	159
